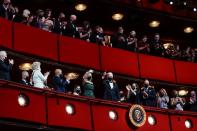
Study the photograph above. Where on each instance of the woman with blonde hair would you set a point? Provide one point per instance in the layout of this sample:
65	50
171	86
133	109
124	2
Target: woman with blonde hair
38	79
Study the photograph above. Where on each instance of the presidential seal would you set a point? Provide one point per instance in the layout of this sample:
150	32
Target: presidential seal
137	115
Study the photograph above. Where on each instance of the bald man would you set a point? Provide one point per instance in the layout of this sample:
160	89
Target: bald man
6	10
59	83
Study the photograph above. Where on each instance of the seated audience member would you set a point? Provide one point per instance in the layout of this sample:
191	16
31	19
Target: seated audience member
122	96
38	79
16	16
119	39
48	14
143	45
133	93
25	76
111	91
176	102
60	24
77	90
107	41
98	36
5	66
148	94
88	86
7	10
132	44
60	84
156	46
86	31
71	29
163	99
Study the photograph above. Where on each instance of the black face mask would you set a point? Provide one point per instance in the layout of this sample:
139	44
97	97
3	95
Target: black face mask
110	79
78	91
121	95
61	76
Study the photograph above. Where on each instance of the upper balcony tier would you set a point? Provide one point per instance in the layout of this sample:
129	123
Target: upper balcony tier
36	42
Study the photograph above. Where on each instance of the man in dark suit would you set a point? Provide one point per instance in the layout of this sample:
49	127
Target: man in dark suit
6	10
71	28
24	80
148	94
111	91
5	67
60	84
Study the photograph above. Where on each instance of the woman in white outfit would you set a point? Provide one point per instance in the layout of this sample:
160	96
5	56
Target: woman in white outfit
38	79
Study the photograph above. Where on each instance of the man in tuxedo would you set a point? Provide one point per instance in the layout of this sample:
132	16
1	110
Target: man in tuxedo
71	29
6	10
111	91
148	94
5	66
157	47
25	76
60	84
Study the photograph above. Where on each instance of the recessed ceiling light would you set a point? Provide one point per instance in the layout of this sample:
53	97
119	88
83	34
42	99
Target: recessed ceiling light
117	16
188	29
81	7
183	92
154	24
194	9
171	2
25	66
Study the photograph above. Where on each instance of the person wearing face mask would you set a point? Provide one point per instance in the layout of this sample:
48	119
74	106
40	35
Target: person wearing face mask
25	76
5	66
88	86
133	93
111	91
60	84
148	94
163	99
77	90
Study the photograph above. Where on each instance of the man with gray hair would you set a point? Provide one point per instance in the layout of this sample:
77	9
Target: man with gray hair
5	67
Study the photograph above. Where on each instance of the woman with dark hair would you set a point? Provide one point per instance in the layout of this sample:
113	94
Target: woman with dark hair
133	94
86	31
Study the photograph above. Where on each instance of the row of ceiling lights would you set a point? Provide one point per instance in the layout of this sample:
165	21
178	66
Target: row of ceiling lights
23	101
120	16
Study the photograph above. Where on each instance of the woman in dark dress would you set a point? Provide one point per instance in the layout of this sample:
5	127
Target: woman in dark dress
88	86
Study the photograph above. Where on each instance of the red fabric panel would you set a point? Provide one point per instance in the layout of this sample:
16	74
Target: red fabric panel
102	122
5	33
119	61
35	41
100	114
34	112
178	122
157	68
57	115
79	52
162	122
186	72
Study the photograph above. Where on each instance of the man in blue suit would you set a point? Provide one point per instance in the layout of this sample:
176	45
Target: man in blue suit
5	67
60	84
111	91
